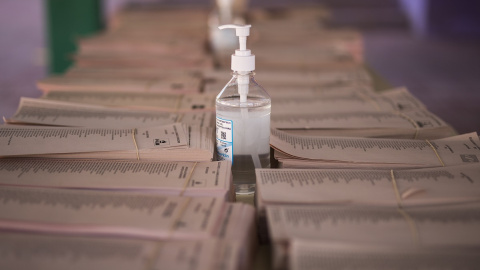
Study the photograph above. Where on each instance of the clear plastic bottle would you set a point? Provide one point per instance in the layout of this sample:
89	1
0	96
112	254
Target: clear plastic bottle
243	130
243	118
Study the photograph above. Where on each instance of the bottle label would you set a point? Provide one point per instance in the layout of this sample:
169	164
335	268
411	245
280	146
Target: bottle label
224	134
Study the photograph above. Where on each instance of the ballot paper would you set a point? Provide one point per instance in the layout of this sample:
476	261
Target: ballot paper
183	84
333	90
145	101
411	124
307	255
294	58
343	44
132	73
273	79
212	179
164	143
399	99
147	20
452	225
280	92
120	61
431	186
306	58
111	43
54	252
60	113
123	214
295	14
348	152
314	37
168	40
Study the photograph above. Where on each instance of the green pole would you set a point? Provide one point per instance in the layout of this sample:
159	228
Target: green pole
67	20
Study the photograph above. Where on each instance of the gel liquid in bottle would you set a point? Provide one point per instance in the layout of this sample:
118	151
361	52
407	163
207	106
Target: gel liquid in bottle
243	118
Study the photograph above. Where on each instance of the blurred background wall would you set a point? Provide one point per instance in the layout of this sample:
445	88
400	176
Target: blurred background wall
432	47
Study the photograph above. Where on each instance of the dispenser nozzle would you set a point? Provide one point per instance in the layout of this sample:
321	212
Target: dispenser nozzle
240	30
243	59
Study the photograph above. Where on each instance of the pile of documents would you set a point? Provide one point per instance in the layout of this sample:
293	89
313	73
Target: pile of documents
113	167
162	84
166	178
371	201
106	217
421	235
355	112
61	113
431	186
161	143
157	38
57	252
296	151
367	176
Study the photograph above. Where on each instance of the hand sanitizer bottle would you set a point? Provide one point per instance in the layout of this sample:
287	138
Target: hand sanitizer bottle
243	118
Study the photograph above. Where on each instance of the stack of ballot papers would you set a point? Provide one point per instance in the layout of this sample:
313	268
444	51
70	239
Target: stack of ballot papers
144	101
143	61
430	229
163	38
412	124
173	142
193	179
320	47
131	73
275	80
307	58
60	113
306	27
306	254
356	112
417	187
178	84
296	151
356	101
123	214
57	252
295	14
126	216
328	91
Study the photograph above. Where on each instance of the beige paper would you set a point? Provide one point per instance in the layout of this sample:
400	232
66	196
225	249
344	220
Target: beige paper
146	101
107	213
54	252
297	78
338	255
33	140
393	100
412	124
432	186
125	214
166	143
168	178
167	85
453	225
338	152
60	113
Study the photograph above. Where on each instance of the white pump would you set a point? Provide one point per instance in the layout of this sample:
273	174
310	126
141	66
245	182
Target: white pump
243	61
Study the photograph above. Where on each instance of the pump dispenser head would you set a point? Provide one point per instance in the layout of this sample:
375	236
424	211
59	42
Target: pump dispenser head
243	60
